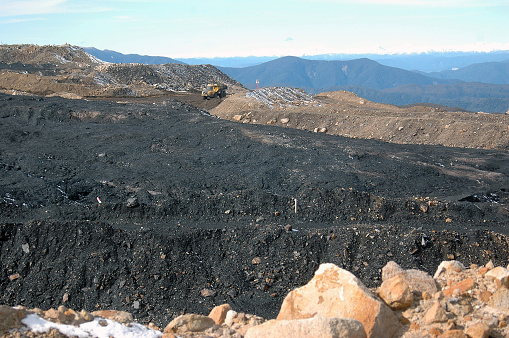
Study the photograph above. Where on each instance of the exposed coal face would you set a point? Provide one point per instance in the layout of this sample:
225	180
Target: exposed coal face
158	275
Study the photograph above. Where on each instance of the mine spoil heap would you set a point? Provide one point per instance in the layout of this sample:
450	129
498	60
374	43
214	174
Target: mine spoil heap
69	71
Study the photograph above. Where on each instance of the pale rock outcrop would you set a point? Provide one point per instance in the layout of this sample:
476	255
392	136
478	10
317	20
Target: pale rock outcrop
335	292
316	327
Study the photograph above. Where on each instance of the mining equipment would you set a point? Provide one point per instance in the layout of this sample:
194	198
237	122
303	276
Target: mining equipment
214	90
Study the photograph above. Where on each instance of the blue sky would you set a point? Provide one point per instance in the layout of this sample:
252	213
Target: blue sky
216	28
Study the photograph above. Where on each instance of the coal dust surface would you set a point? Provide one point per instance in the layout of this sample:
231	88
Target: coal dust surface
160	208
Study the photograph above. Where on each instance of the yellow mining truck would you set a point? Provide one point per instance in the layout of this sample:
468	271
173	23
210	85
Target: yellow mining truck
214	90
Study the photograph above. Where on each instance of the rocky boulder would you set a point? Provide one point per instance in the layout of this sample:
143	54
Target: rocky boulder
418	281
316	327
336	293
396	293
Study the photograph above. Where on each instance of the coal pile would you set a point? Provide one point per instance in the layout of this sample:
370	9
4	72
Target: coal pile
160	209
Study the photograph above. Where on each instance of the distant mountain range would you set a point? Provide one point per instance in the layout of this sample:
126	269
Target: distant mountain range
487	72
424	62
116	57
438	61
379	83
314	75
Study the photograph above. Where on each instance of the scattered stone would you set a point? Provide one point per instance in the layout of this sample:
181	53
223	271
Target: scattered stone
10	318
207	292
288	227
449	267
483	270
435	332
396	293
500	275
132	202
391	269
436	314
463	286
117	316
256	261
320	130
237	117
63	315
500	299
87	317
484	296
14	276
478	330
285	120
418	281
453	334
189	323
218	314
459	309
335	292
241	322
316	327
26	248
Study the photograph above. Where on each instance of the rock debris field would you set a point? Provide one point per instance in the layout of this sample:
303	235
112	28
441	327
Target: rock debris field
160	209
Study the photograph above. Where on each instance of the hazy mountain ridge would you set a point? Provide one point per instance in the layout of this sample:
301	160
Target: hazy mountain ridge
423	62
439	61
319	74
487	72
116	57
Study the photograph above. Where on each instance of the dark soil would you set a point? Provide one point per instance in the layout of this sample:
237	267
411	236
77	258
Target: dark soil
188	200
